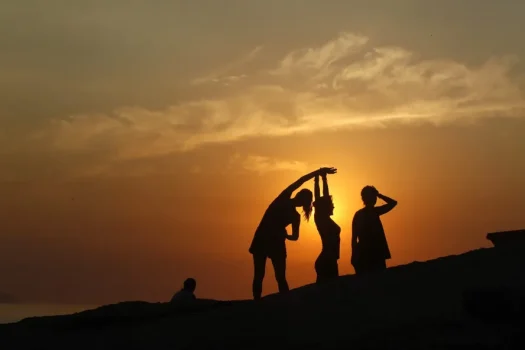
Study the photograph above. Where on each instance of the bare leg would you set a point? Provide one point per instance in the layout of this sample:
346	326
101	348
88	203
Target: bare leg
326	268
334	269
259	269
320	269
279	267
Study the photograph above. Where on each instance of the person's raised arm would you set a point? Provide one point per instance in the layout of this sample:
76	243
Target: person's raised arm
295	186
317	190
296	223
390	204
326	192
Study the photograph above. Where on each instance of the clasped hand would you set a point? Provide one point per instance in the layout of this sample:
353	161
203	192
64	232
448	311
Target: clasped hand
327	170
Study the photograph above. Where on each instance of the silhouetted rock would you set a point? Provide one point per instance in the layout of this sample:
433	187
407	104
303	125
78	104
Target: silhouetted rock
508	239
422	305
122	313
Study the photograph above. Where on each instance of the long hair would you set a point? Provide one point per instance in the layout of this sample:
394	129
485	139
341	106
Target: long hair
306	197
307	211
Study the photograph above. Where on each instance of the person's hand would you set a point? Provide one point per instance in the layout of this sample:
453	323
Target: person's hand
377	192
327	170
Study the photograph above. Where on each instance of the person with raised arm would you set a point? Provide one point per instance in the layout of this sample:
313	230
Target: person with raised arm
369	244
270	236
326	264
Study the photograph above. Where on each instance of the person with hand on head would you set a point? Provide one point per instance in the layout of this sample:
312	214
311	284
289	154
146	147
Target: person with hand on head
270	236
326	264
369	245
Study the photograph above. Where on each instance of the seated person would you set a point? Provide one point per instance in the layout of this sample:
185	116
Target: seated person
186	294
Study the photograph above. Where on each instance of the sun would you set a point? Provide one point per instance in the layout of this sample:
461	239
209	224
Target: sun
344	205
310	241
346	200
341	213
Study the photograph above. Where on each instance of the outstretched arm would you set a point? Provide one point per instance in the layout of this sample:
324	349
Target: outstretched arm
326	192
390	204
317	190
295	186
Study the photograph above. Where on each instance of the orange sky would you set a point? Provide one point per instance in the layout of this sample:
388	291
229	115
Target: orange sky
139	148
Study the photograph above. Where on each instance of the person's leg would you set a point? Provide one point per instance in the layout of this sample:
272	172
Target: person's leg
362	266
377	265
365	267
259	268
318	270
334	269
279	268
327	268
359	261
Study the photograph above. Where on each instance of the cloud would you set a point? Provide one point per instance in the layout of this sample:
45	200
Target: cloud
320	62
344	83
224	75
262	164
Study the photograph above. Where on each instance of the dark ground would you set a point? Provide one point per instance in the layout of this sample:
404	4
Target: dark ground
469	301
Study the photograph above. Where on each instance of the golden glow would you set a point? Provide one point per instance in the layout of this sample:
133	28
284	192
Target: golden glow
342	211
154	158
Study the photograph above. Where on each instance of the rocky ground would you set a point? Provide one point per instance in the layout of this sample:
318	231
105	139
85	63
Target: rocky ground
474	300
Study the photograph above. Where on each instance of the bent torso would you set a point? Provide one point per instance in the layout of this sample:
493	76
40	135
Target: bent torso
270	236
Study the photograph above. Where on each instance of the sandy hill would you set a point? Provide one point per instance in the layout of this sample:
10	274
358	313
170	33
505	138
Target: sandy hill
473	300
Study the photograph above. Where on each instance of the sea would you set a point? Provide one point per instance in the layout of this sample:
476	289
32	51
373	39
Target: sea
15	312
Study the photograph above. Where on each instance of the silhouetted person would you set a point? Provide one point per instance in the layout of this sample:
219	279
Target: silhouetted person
369	245
186	294
326	264
270	236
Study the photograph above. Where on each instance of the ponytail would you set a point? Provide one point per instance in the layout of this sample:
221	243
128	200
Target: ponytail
306	197
307	211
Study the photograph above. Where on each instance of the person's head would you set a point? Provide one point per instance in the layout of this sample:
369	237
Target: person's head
190	284
369	196
324	206
303	199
